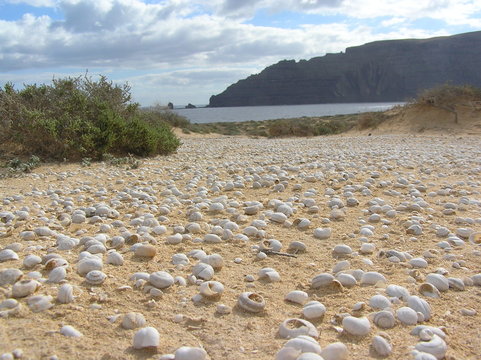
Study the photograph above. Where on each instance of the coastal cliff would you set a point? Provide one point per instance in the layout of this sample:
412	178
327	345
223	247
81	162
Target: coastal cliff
391	70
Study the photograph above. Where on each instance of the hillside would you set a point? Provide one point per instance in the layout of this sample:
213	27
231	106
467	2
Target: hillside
392	70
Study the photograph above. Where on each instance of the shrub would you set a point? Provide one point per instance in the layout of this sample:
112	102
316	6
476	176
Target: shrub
371	120
77	117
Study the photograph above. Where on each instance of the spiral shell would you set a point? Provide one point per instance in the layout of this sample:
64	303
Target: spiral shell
313	310
211	289
65	294
88	264
384	319
429	290
95	277
251	302
214	260
161	279
291	328
435	346
356	326
57	275
381	345
203	271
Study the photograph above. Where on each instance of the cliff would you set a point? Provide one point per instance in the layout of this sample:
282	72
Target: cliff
391	70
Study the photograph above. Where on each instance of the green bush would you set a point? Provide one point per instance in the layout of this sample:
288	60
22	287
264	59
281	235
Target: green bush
76	118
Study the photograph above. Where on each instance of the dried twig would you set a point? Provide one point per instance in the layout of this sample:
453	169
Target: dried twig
272	252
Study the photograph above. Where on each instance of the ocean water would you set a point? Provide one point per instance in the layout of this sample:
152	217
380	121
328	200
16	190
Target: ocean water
246	113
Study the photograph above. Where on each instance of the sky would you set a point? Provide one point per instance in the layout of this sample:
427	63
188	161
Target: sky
184	51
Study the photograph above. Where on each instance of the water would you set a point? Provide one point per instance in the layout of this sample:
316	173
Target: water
247	113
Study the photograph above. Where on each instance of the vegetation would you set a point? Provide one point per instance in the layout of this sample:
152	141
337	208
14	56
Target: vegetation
77	118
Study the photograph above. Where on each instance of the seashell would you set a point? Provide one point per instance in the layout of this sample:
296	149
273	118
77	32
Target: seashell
31	260
297	246
359	306
346	280
417	330
291	328
271	244
212	239
57	275
55	262
223	309
8	254
407	316
302	223
356	326
88	264
297	296
161	279
10	276
24	288
9	304
367	248
419	355
251	302
39	303
114	258
310	356
456	284
211	289
379	302
342	250
322	233
418	263
340	266
190	353
304	344
436	346
384	319
43	231
439	281
203	271
146	338
381	345
322	280
70	331
27	235
288	353
475	238
419	305
145	250
65	294
180	259
269	274
335	351
476	279
64	219
429	290
174	239
278	217
372	278
66	243
95	277
116	242
132	320
214	260
313	310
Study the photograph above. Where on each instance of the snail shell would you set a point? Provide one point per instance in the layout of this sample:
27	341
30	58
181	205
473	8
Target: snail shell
39	303
114	258
420	305
397	291
372	278
304	343
407	316
436	346
55	262
57	275
322	233
379	302
70	331
10	276
211	289
313	310
145	338
456	284
335	351
31	260
203	271
291	328
384	319
429	290
89	263
95	277
475	238
161	279
381	345
322	280
439	281
132	320
8	254
251	302
271	244
190	353
214	260
145	250
24	288
356	326
269	274
297	296
65	294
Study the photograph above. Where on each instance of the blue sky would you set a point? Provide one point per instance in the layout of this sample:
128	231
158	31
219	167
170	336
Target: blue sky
187	50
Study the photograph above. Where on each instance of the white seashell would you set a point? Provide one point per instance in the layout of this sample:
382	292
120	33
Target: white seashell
372	278
342	250
322	280
214	260
367	248
212	239
24	288
39	303
57	275
174	239
114	258
116	242
271	244
429	290
436	346
145	250
397	291
43	231
302	224
417	330
475	238
161	279
322	233
356	326
203	271
70	331
439	281
27	235
419	355
55	262
335	351
381	345
180	259
384	319
419	305
310	356
407	316
8	254
251	302
288	353
476	279
147	337
9	304
132	320
10	276
297	296
223	309
65	294
297	246
456	284
95	277
211	289
31	260
269	274
88	264
346	280
313	310
278	217
291	328
340	266
190	353
304	344
379	302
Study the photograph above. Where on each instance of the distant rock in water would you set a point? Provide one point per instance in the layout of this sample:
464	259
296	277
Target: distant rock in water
190	106
170	106
381	71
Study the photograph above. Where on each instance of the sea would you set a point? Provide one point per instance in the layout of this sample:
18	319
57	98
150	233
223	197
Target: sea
202	115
